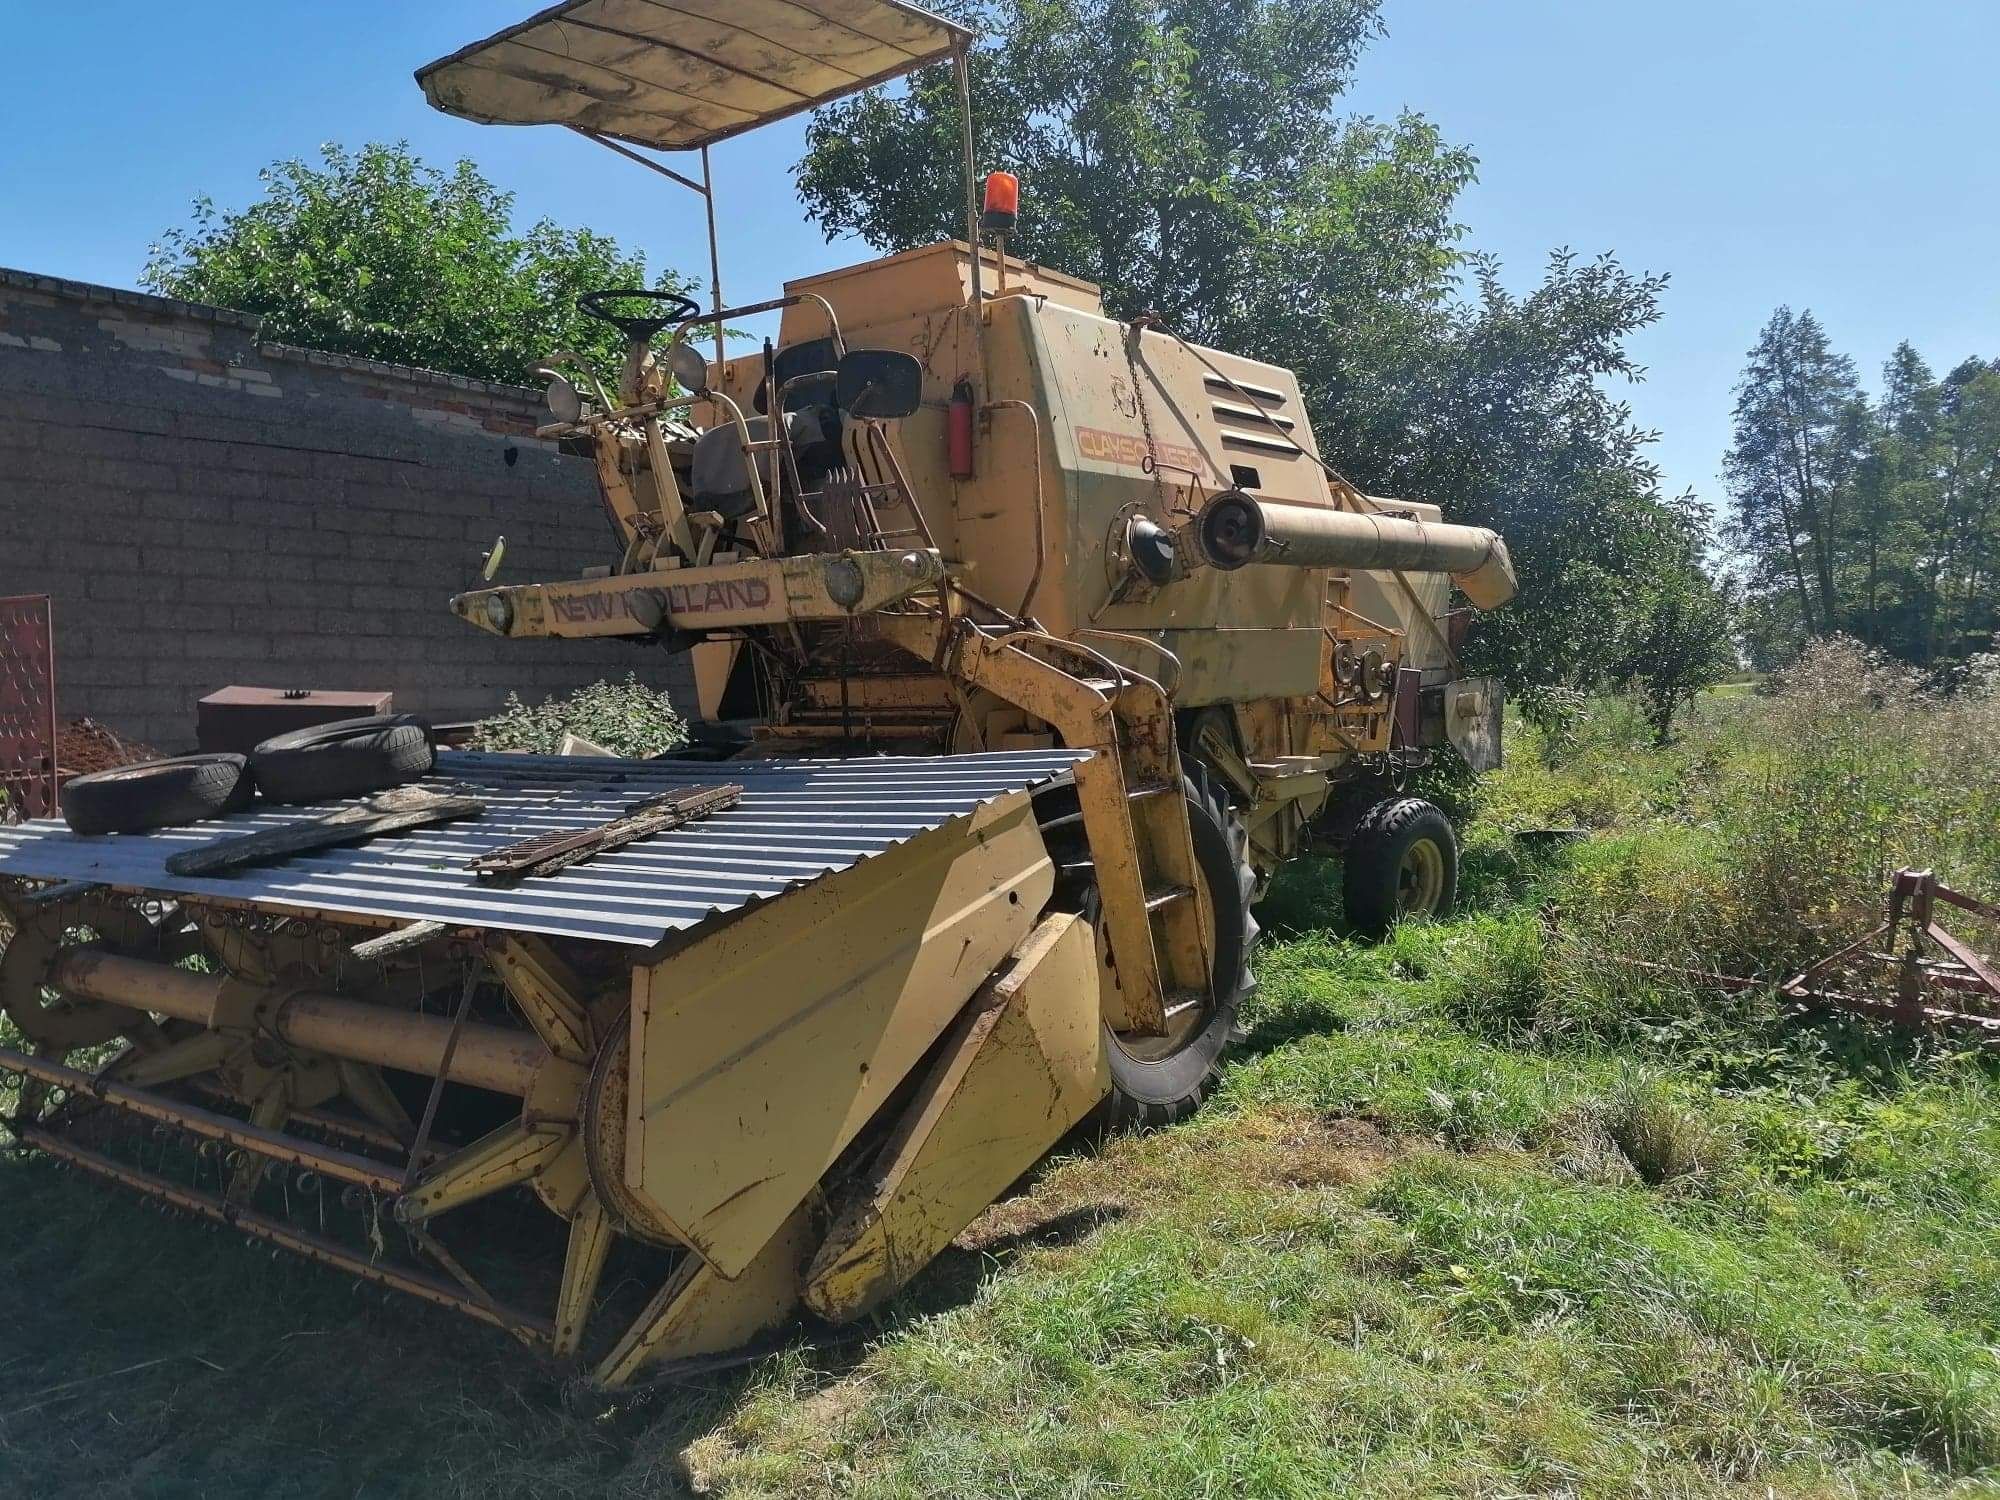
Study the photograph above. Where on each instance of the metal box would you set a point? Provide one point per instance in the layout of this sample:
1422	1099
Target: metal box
239	718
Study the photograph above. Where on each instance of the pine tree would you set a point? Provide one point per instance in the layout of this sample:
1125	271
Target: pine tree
1882	520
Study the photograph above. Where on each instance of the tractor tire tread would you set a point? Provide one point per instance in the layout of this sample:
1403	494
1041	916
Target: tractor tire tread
1373	860
1149	1095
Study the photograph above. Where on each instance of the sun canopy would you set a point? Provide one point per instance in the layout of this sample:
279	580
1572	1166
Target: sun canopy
683	74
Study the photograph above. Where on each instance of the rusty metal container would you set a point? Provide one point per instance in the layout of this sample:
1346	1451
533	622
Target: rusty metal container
238	718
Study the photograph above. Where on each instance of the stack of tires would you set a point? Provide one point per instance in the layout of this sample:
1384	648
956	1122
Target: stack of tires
350	758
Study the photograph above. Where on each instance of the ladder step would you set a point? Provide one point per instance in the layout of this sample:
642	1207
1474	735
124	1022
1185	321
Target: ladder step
1103	685
1167	895
1134	794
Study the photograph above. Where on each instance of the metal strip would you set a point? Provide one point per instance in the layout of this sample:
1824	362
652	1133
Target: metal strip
630	155
326	1252
206	1123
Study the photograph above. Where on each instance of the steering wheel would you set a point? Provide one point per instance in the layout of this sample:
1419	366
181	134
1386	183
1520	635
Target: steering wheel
678	310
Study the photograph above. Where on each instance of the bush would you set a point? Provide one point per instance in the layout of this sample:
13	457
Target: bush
626	718
1761	841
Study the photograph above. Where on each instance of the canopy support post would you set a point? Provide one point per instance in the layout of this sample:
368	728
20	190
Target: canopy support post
961	65
646	161
714	260
706	187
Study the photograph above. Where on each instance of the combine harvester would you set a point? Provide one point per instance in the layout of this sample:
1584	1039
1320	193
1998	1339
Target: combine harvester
1028	643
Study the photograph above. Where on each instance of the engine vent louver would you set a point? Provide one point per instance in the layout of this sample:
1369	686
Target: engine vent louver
1258	423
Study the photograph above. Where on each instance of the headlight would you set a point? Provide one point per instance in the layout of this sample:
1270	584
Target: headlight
499	612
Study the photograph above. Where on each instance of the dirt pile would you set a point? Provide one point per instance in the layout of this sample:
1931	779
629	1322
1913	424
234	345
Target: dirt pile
84	745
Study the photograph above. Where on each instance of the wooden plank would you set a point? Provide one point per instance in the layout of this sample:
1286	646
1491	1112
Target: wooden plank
400	940
392	812
550	852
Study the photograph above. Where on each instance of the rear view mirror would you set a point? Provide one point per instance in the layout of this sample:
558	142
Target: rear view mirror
877	383
689	368
565	401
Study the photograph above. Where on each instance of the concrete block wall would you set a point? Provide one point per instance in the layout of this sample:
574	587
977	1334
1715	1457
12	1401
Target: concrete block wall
209	508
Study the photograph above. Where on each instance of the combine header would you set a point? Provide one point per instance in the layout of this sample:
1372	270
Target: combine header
1028	643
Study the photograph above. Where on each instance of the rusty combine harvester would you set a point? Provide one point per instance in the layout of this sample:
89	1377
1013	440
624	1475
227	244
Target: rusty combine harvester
1028	643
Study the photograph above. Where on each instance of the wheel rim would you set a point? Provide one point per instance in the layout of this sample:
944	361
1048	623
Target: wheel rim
1420	879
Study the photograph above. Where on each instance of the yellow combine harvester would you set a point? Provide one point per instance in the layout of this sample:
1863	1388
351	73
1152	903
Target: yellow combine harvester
1028	643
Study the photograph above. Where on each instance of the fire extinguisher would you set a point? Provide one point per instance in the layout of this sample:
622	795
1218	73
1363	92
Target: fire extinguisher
958	430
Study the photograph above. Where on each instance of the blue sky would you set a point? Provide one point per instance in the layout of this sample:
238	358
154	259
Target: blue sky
1832	154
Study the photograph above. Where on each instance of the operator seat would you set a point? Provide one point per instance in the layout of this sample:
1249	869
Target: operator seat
719	476
811	358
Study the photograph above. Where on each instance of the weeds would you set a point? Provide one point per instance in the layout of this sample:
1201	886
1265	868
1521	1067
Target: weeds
626	718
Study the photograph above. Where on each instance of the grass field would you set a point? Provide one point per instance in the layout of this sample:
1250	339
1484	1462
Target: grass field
1476	1213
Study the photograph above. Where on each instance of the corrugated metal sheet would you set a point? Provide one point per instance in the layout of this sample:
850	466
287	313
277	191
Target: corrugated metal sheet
685	75
798	820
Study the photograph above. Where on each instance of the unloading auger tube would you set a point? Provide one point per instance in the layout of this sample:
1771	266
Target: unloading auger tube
1235	530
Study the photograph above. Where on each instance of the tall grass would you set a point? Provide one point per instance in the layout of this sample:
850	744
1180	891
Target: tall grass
1764	840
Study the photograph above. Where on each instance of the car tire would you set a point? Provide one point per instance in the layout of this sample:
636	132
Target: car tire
349	758
157	794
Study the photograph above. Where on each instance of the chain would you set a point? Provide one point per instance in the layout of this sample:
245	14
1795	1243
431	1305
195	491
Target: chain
1134	332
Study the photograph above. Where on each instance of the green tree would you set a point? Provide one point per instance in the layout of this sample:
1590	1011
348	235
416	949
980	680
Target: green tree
1801	429
374	253
1498	408
1881	519
1158	144
1964	557
1890	491
1675	636
1189	156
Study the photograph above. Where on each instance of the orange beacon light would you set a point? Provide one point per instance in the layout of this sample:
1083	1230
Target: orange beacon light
1002	203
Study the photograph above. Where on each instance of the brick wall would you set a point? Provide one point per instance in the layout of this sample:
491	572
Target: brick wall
208	508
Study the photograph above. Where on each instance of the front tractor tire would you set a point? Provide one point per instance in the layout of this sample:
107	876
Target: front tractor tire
1156	1081
1401	862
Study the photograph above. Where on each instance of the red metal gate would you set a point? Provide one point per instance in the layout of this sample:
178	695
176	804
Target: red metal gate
27	707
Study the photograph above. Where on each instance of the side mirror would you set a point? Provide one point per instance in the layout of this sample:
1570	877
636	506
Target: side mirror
565	401
877	383
689	368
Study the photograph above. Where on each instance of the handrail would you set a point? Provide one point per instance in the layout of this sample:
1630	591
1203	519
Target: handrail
751	309
749	458
1041	504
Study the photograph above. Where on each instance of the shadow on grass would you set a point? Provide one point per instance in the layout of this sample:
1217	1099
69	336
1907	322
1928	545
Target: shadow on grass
953	1279
1282	1028
148	1354
1304	897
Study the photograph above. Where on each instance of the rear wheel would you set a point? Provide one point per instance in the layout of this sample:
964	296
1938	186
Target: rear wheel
1401	862
1158	1080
